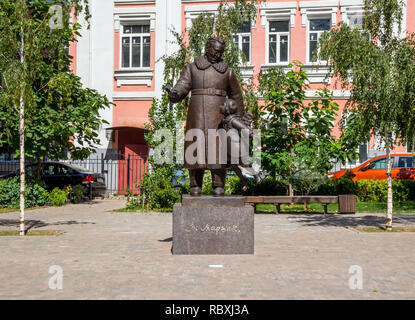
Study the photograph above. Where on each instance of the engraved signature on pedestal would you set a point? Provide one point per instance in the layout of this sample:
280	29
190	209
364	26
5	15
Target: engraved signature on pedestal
212	228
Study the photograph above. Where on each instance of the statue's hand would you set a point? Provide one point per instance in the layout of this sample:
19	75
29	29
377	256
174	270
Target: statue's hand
167	87
173	95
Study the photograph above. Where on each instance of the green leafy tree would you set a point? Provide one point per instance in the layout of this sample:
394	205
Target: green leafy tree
298	145
42	104
162	115
377	64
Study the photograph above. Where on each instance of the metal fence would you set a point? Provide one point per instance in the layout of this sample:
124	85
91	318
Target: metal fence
122	172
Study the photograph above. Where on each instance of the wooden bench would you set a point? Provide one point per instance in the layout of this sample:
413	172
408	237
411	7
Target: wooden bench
345	201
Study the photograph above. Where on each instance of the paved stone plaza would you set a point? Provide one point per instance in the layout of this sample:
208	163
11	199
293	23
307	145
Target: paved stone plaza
106	255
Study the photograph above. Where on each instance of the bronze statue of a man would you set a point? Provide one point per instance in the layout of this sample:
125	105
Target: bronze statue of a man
210	81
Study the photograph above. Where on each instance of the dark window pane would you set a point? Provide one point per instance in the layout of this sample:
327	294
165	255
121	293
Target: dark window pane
356	21
320	24
235	39
126	52
137	29
136	52
278	26
127	29
49	170
246	46
378	164
146	51
63	170
283	48
146	28
246	27
272	49
406	162
362	152
313	46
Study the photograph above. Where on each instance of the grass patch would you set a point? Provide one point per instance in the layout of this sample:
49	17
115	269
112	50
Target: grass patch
139	209
297	207
7	210
361	207
381	207
383	229
12	233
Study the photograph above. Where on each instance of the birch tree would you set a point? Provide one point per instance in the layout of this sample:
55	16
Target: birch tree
27	34
377	64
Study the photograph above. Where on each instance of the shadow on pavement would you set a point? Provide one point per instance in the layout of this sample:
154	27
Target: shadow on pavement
33	224
340	221
167	240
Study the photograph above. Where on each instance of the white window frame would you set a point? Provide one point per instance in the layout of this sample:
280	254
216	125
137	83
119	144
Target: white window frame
317	62
193	12
277	11
278	34
131	36
349	8
240	36
317	10
127	16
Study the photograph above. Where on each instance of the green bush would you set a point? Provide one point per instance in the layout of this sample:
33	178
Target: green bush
342	185
35	193
268	187
369	190
58	197
38	195
134	202
158	190
377	190
78	193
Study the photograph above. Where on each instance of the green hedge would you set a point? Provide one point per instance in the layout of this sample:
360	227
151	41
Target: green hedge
365	190
36	194
376	190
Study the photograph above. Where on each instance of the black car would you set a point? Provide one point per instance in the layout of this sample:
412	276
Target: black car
60	175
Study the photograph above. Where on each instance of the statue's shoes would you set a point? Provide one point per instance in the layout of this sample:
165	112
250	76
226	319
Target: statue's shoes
195	191
218	191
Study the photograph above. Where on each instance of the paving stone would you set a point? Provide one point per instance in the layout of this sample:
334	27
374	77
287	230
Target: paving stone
127	256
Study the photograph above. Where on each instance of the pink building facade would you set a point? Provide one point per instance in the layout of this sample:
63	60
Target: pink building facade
119	55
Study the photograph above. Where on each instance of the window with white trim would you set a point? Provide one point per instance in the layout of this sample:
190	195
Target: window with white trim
316	27
135	45
278	41
355	20
243	40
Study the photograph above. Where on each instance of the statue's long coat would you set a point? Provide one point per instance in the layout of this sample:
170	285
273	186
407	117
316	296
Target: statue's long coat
204	110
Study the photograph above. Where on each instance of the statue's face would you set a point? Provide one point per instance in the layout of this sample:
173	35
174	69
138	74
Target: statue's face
232	107
214	52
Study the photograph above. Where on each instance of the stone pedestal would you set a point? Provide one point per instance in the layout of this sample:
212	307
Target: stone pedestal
213	225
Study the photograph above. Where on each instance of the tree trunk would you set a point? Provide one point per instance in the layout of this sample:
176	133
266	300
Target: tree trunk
389	179
21	141
290	189
38	167
290	185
